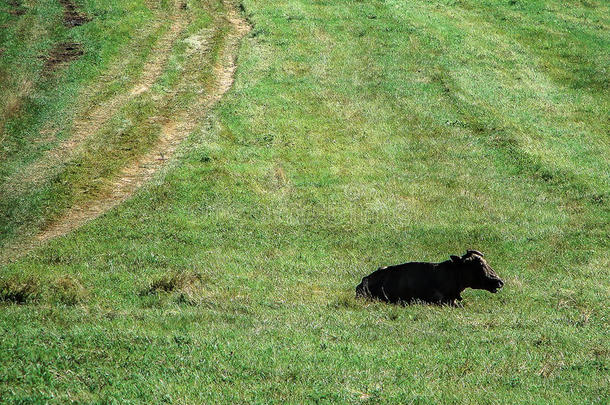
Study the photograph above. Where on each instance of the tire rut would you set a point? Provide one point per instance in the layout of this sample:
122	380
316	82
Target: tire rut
94	119
173	132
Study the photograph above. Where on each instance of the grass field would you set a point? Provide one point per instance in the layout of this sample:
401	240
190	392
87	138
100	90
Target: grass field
357	134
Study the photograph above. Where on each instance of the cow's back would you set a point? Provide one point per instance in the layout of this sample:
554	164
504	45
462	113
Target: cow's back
402	282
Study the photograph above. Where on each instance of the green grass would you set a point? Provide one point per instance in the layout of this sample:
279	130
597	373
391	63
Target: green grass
357	134
39	107
75	89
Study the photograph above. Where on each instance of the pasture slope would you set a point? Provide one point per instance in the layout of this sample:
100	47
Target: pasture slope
356	134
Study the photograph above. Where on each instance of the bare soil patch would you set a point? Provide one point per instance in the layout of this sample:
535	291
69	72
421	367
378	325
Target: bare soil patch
17	8
72	16
63	53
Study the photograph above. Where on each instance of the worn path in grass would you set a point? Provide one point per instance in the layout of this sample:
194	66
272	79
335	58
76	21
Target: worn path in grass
174	131
94	118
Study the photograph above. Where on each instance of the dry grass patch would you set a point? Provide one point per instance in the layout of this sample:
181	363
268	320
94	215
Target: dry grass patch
186	286
68	290
17	289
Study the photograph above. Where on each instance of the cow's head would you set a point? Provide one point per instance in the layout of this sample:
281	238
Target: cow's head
476	273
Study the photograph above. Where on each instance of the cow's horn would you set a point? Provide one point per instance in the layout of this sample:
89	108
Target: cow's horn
476	252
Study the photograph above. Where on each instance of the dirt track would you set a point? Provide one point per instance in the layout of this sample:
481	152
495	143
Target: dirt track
174	131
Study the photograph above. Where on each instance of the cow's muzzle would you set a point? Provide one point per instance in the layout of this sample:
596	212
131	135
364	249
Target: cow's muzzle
495	285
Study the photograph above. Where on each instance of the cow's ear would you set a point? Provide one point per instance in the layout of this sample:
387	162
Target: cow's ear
455	259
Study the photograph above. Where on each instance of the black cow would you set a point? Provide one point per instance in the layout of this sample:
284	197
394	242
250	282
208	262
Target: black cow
438	283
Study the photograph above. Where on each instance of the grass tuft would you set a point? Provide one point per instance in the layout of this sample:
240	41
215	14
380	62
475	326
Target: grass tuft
18	289
182	282
68	290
